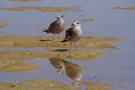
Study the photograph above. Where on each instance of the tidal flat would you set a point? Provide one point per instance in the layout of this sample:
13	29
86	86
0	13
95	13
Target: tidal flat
25	62
2	25
125	8
43	8
52	85
90	47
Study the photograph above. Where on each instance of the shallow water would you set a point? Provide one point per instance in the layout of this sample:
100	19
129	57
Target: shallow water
117	67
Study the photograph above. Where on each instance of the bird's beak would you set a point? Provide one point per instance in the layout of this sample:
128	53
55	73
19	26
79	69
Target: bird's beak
72	24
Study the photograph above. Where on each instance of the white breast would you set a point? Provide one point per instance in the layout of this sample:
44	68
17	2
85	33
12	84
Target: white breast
78	31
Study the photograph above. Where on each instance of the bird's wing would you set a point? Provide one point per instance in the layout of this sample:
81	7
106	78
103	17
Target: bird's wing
54	25
69	34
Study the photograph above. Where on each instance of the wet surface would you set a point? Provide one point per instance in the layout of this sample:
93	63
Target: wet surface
30	49
117	68
3	25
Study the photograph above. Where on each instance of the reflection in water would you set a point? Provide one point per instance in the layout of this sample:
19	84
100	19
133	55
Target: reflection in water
58	63
73	71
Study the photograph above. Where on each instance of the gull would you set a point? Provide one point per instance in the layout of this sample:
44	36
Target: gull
57	26
73	34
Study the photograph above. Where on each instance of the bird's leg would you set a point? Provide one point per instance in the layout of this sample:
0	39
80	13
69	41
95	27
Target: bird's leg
61	69
71	46
76	83
76	45
58	37
54	37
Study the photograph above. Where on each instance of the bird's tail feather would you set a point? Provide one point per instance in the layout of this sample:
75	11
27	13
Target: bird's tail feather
47	31
64	40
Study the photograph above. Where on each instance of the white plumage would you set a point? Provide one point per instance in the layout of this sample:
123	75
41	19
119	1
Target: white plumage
73	34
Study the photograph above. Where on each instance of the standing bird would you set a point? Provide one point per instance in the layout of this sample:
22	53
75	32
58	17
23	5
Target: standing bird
73	34
57	26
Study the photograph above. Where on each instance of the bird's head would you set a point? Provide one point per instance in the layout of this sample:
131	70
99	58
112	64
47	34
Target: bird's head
76	23
60	17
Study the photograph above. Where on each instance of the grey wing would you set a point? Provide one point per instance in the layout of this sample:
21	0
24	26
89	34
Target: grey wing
54	26
69	34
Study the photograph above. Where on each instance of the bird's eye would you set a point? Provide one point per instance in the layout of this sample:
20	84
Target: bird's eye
62	15
77	23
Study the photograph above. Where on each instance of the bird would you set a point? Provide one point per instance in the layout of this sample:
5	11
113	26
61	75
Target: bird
58	63
56	27
73	34
74	72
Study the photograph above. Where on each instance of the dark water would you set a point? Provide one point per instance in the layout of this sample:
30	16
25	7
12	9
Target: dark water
118	67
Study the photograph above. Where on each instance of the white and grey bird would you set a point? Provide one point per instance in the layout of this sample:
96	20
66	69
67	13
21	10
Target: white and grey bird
73	34
57	26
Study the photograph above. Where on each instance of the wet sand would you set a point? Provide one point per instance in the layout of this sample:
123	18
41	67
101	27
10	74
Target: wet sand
12	60
2	25
52	85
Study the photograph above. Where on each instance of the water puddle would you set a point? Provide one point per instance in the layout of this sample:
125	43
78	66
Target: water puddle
66	71
26	0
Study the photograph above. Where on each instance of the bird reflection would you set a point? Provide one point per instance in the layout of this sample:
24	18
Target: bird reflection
58	63
73	71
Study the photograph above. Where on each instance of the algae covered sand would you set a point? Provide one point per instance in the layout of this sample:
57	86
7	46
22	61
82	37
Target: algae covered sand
52	85
88	20
49	41
3	25
37	85
13	60
125	8
39	8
